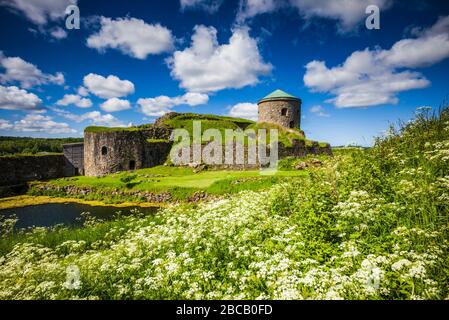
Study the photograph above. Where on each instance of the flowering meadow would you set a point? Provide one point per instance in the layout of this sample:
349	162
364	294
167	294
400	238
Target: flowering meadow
369	224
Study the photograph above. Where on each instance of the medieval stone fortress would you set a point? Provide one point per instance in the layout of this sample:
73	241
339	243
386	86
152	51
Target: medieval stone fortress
110	150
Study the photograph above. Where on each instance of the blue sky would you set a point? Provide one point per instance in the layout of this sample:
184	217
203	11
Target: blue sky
132	61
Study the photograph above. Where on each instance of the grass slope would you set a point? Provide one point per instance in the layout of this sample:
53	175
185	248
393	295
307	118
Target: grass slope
180	182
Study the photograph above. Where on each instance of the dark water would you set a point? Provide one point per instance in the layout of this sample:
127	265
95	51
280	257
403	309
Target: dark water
68	214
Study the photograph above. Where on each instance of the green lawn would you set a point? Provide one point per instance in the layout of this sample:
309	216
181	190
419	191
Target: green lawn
181	182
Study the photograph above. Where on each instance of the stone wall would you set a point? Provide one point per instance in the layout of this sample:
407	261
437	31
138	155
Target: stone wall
74	157
114	151
272	112
156	132
20	169
156	153
110	152
298	149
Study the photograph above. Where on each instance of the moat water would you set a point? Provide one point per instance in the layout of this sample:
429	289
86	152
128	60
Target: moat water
67	214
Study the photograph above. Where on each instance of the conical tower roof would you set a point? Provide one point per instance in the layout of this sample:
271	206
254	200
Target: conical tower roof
279	95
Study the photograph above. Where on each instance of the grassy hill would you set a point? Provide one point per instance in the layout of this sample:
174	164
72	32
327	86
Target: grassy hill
209	121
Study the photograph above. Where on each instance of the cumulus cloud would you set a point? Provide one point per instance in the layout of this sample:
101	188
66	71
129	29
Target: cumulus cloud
99	119
319	110
115	104
82	91
109	87
74	99
158	106
210	6
25	73
252	8
41	123
39	11
132	36
94	117
13	98
430	47
5	124
58	33
375	77
348	13
207	66
245	110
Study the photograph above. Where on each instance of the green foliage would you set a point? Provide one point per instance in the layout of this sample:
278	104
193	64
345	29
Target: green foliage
286	136
182	119
18	145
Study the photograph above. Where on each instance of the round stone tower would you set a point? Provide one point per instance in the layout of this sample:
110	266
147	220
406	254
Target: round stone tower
281	108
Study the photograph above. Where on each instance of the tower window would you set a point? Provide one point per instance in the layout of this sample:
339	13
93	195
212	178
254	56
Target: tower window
104	151
292	124
284	111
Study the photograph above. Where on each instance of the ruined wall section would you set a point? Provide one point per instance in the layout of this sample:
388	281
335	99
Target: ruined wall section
123	150
74	159
18	169
112	151
298	149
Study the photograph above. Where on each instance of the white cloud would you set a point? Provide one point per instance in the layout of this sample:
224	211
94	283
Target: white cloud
107	88
132	36
99	119
5	124
375	77
245	110
82	91
252	8
158	106
115	104
39	11
27	74
207	66
94	117
13	98
76	100
40	123
58	33
431	46
320	111
347	12
210	6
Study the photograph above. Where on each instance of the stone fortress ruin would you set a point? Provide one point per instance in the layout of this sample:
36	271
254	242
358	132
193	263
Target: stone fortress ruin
110	150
